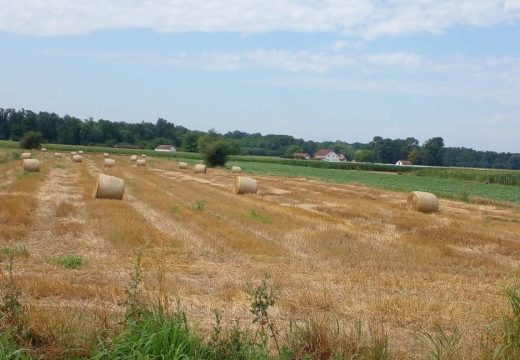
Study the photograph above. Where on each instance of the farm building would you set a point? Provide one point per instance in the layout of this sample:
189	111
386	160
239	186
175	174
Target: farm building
165	148
326	155
301	155
404	162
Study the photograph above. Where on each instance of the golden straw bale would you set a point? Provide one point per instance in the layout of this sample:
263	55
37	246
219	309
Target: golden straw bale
199	169
80	152
143	156
44	149
244	185
77	158
25	155
57	155
109	163
183	165
141	162
106	155
109	187
133	158
236	169
422	201
32	165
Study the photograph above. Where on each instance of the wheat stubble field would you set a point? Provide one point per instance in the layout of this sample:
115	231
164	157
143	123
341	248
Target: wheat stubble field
337	253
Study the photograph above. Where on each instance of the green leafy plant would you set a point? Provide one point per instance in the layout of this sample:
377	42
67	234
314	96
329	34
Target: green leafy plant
262	297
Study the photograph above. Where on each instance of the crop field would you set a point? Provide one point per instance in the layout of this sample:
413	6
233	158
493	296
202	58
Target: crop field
437	182
337	252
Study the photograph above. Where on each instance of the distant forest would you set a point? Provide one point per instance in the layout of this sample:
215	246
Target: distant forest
71	130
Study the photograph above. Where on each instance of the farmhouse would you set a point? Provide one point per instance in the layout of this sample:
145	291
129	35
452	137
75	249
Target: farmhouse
326	155
165	148
404	162
301	155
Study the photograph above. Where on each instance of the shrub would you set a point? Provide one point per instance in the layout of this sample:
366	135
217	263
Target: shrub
31	140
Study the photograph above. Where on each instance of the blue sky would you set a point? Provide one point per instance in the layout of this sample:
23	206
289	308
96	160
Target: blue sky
317	69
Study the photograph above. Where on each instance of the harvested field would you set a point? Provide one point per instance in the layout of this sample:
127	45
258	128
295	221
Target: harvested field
336	252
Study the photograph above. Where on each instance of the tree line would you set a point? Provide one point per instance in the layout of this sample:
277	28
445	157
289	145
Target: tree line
72	130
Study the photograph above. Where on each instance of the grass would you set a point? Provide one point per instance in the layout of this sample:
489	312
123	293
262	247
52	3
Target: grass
68	261
451	188
259	215
18	250
199	205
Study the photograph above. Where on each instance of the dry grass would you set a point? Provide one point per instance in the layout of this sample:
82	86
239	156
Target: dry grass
337	252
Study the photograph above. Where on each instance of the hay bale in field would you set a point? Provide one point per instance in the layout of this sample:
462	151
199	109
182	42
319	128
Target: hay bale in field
32	165
143	156
80	152
72	153
199	169
183	165
106	155
109	187
244	185
57	155
422	201
44	149
77	158
25	155
236	169
141	162
133	158
108	163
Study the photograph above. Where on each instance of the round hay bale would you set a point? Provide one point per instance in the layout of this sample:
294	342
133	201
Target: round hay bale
109	187
199	169
80	152
133	158
44	149
236	169
143	156
77	158
57	155
72	153
244	185
109	163
183	165
422	201
25	155
32	165
106	155
141	162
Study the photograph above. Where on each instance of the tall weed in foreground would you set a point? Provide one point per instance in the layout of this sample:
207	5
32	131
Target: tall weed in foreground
443	345
509	347
12	327
319	339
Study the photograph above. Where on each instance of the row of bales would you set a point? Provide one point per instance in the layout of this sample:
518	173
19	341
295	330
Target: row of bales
111	187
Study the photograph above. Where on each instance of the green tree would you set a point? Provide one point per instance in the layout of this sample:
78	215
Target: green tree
31	140
214	150
190	142
365	155
432	152
291	149
514	162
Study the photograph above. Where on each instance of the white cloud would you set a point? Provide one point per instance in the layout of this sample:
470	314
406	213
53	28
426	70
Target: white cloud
363	18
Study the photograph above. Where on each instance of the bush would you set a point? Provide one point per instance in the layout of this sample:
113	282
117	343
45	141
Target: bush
31	140
215	152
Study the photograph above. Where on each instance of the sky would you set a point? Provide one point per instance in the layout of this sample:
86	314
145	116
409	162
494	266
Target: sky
316	69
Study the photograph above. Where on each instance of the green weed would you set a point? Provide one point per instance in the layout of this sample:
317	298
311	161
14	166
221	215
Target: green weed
68	261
